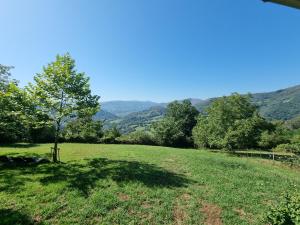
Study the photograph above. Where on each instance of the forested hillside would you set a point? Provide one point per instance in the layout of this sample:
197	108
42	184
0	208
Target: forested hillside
131	115
137	120
280	105
123	108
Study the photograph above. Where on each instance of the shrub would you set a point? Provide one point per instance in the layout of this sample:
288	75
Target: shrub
271	138
295	138
287	212
137	137
293	148
167	132
111	136
83	130
42	135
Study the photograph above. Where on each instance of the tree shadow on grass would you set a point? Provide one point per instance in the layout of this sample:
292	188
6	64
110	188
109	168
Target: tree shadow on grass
83	177
13	217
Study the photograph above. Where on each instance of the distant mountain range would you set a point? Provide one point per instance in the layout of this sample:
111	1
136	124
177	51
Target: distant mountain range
123	108
133	115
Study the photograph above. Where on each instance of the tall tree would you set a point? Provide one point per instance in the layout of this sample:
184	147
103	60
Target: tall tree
63	93
16	108
175	129
230	122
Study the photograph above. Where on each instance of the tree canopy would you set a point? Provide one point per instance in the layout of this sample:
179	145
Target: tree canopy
16	114
230	122
175	129
62	93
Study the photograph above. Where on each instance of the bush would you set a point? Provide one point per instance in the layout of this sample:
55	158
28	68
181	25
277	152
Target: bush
137	137
287	212
292	148
42	134
271	138
83	130
295	139
167	132
111	136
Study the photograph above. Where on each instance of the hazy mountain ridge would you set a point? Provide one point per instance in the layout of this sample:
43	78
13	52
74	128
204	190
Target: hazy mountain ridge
105	115
123	108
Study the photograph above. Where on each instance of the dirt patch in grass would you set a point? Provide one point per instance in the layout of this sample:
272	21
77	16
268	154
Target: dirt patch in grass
243	215
123	197
37	219
212	214
186	197
179	212
146	205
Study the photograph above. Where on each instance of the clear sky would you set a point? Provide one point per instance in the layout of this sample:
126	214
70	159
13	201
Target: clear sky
157	50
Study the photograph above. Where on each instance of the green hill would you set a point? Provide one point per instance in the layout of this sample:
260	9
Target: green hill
104	115
280	105
137	120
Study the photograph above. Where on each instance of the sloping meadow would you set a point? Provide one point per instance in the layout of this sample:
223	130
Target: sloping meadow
125	184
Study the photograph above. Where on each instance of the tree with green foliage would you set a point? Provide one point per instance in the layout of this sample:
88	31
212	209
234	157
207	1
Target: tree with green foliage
276	135
175	129
230	122
294	123
5	77
16	106
167	132
84	130
62	93
138	137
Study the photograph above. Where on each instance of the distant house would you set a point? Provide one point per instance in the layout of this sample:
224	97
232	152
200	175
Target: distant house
291	3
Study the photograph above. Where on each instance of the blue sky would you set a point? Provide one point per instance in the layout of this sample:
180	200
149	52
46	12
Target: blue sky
157	50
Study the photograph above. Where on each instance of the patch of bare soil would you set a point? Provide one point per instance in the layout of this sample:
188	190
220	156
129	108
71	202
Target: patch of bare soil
146	205
212	214
179	212
123	197
243	215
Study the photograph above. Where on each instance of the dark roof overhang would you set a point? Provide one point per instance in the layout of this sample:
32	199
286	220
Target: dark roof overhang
291	3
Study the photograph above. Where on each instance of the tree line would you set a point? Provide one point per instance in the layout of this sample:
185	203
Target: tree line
230	123
59	107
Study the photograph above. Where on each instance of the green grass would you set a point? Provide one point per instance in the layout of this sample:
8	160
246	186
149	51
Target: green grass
125	184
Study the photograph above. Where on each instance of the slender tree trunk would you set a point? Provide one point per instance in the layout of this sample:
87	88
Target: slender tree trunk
55	149
57	131
55	152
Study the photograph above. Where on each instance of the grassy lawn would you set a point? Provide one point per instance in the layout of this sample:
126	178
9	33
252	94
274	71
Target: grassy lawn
125	184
